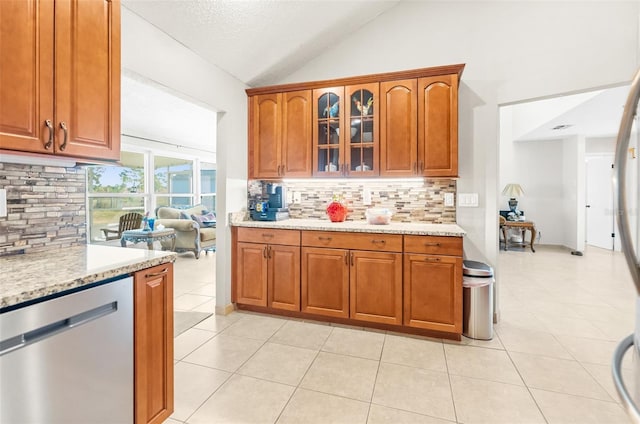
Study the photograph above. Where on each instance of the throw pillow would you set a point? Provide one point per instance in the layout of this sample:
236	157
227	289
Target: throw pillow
204	220
184	215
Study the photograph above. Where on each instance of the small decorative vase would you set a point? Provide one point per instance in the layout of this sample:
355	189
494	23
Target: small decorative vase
336	210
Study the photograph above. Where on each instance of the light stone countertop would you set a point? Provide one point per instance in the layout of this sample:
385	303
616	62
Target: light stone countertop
409	228
31	276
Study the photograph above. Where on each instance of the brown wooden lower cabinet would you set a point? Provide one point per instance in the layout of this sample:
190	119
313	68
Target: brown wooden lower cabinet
268	275
376	287
325	281
433	292
153	351
356	277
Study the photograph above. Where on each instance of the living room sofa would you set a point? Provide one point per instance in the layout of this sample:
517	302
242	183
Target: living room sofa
191	236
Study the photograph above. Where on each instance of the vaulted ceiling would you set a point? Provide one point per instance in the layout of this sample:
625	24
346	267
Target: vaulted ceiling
259	42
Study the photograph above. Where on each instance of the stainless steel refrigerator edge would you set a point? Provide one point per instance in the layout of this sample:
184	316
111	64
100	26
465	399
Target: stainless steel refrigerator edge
70	359
630	243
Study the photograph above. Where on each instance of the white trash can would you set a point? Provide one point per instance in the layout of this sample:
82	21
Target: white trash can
477	295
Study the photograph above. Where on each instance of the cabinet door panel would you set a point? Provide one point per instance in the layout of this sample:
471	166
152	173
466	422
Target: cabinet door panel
325	282
296	134
153	327
328	134
252	274
87	78
26	74
265	135
284	277
376	287
398	128
438	126
433	292
362	156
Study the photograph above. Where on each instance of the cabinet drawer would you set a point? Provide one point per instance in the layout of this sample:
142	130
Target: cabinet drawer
358	241
269	235
436	245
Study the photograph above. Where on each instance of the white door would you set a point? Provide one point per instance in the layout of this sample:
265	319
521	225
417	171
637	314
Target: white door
599	196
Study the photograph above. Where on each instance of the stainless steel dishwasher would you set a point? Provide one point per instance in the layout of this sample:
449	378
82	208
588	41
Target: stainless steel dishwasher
69	359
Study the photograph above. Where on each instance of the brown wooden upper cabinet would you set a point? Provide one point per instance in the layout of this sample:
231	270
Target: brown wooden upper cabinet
60	77
280	135
396	124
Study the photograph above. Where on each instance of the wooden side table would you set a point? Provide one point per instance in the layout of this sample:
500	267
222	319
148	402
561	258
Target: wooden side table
136	236
523	226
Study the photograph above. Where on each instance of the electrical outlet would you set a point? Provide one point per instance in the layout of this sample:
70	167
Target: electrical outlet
366	196
297	197
448	199
3	202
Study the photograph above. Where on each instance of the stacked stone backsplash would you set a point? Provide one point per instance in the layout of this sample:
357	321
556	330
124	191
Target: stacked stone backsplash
45	208
409	200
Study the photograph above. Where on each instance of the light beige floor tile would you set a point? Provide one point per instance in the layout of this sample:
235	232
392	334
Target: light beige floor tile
193	385
258	327
414	389
363	344
279	363
342	375
206	289
602	374
588	350
209	306
414	353
489	402
534	342
217	323
558	375
223	352
302	334
564	409
310	407
572	326
383	415
189	341
478	362
187	302
172	421
244	400
616	330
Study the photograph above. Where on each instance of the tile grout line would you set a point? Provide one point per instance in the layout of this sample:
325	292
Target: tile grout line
375	380
303	375
453	398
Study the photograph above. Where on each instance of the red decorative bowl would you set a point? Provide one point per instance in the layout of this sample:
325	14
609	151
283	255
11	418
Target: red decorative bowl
337	212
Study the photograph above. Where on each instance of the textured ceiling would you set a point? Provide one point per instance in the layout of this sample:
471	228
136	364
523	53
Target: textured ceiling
258	42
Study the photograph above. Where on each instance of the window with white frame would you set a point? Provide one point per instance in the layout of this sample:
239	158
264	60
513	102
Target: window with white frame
143	182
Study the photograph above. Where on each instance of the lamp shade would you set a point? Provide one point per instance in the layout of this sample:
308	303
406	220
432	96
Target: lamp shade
513	190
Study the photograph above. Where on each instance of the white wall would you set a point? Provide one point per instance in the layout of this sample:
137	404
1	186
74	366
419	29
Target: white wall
573	191
151	53
513	51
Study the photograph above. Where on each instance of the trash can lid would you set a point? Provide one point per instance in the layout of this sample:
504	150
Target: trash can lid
476	269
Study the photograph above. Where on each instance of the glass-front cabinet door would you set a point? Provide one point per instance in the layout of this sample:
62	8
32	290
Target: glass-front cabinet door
362	157
328	137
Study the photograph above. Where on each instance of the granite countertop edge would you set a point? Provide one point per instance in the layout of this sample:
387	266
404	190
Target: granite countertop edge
28	277
407	228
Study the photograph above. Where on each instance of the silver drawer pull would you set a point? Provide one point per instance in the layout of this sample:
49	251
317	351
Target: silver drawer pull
324	238
432	259
267	235
378	241
432	244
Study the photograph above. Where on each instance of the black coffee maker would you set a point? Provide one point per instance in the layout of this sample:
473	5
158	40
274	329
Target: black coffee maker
277	197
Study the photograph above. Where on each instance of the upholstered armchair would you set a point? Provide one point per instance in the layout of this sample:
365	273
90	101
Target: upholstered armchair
191	236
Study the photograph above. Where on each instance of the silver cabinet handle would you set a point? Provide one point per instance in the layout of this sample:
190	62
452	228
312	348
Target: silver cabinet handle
63	125
50	141
621	171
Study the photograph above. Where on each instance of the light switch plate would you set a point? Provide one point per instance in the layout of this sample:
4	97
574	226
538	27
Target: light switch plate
3	202
448	199
468	200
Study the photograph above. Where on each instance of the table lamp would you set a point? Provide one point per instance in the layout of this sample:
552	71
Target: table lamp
512	191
